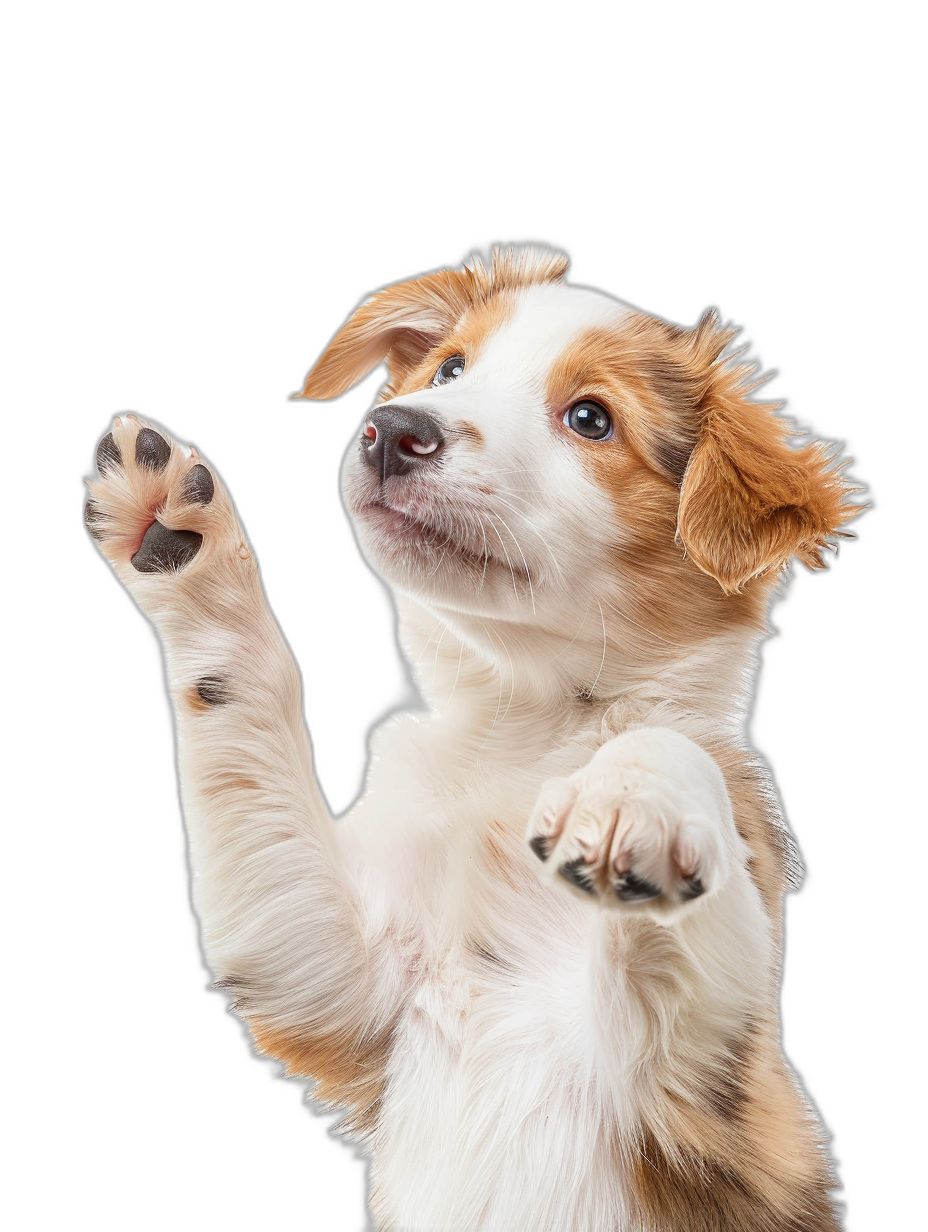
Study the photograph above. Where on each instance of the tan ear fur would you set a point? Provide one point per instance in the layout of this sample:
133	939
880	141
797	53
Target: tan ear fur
400	324
750	501
404	322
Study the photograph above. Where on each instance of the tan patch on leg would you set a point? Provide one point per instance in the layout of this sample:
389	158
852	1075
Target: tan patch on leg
228	783
774	865
739	1153
195	702
697	1194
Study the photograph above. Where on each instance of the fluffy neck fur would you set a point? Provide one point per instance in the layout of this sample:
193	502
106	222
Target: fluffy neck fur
502	683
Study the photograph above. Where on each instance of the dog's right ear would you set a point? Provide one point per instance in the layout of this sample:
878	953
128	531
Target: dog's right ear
400	325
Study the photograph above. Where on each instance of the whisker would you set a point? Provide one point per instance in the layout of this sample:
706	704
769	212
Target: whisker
645	629
486	556
435	660
456	675
499	703
539	538
524	561
592	688
564	649
512	571
421	655
444	551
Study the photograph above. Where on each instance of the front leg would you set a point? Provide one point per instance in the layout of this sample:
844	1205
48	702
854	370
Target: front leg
710	1125
283	923
684	964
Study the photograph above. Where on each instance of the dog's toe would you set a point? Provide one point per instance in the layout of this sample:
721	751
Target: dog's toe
151	450
198	486
108	454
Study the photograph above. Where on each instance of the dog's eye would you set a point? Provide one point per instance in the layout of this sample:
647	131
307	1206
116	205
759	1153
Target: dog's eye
450	370
589	419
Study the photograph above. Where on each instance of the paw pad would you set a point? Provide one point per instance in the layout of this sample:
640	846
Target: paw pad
198	486
152	450
166	551
108	454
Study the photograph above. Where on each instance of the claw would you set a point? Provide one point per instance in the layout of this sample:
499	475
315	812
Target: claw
541	846
632	889
692	889
575	872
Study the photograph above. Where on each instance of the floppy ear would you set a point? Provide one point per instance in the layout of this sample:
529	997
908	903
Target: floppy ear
750	501
400	324
404	322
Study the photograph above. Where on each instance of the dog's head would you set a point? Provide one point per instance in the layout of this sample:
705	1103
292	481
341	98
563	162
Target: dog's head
542	450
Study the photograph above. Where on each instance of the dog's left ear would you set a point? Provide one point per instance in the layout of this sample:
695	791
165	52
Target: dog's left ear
400	324
750	501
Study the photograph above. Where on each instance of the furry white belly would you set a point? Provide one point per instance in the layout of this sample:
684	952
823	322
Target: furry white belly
491	1121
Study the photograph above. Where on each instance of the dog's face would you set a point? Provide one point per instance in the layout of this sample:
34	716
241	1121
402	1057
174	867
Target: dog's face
543	450
475	484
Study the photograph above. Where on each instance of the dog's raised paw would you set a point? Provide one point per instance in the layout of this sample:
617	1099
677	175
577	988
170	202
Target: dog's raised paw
154	503
630	832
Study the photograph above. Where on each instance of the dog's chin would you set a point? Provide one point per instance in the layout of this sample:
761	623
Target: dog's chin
440	562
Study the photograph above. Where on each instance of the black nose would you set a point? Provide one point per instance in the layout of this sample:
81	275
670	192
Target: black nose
398	439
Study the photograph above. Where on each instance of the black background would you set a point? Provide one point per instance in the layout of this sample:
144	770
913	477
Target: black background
200	301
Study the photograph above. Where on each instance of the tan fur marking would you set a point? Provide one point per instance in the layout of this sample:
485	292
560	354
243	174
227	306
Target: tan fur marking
467	338
730	1145
713	1194
404	323
630	370
195	701
348	1073
469	432
229	783
497	852
759	1167
663	593
641	371
774	864
749	501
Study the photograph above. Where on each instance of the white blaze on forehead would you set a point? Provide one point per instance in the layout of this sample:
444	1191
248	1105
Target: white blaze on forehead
546	320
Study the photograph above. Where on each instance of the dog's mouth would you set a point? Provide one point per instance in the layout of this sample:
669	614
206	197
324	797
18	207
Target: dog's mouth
436	539
404	529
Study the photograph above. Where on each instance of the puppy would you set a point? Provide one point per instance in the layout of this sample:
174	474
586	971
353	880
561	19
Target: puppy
538	964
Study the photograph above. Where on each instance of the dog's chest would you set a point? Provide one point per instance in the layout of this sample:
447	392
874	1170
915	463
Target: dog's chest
492	1117
491	1078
